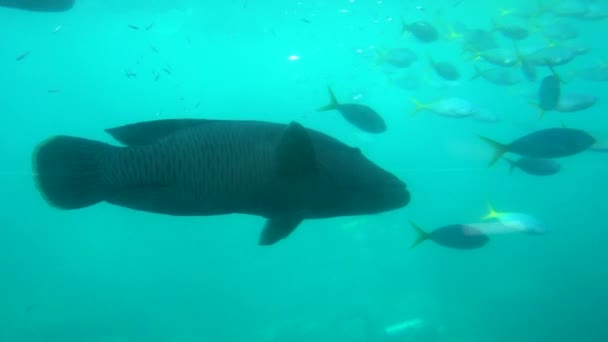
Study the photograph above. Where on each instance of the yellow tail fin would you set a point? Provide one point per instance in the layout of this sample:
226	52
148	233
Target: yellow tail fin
381	55
419	106
499	149
491	213
453	34
421	237
333	104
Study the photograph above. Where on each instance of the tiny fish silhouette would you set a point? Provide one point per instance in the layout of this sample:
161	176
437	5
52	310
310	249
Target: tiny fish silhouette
23	55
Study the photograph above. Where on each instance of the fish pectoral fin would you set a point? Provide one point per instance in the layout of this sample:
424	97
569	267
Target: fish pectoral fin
295	153
148	132
277	229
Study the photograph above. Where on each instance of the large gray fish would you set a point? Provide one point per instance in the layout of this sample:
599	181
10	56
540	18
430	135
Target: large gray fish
544	144
39	5
189	167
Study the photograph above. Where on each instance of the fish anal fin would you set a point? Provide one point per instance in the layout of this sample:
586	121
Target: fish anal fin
148	132
277	229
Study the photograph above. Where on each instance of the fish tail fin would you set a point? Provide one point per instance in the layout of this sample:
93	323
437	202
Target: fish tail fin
550	41
418	106
453	34
420	237
499	149
381	56
67	171
492	213
333	104
541	111
475	56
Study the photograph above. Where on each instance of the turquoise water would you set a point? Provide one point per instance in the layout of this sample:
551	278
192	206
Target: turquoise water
106	273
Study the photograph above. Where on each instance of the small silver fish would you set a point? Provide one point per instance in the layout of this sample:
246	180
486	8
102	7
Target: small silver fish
575	102
453	107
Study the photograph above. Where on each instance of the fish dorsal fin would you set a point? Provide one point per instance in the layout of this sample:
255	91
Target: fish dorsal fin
148	132
295	153
277	229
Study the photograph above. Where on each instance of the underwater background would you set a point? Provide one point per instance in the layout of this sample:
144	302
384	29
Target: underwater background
107	273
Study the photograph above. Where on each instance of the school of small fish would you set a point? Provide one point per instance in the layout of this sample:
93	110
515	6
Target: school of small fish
497	55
